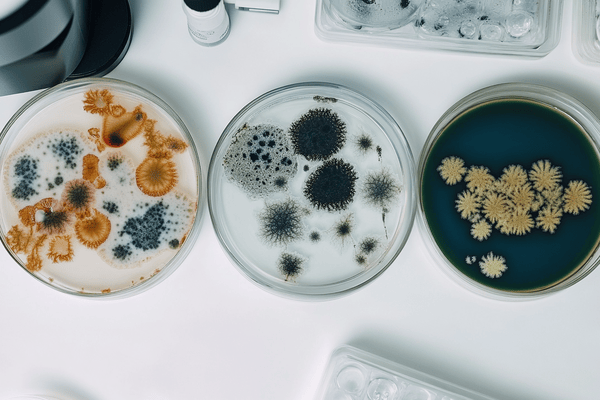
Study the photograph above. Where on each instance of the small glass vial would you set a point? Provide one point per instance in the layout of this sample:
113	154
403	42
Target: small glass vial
208	21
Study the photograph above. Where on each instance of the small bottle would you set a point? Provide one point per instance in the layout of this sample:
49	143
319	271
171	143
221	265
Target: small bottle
208	21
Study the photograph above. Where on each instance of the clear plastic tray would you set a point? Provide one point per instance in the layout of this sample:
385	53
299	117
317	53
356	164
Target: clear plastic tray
586	27
311	190
354	374
102	188
511	27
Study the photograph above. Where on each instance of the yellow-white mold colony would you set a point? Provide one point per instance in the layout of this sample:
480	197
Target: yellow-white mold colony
514	203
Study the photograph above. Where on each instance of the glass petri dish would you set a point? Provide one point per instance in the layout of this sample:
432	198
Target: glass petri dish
311	190
93	202
507	182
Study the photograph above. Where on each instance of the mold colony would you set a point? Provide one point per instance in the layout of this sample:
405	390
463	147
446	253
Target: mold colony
514	203
100	210
304	182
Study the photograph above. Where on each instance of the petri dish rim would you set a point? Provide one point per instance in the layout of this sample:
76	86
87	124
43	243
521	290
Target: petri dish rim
401	148
566	105
45	98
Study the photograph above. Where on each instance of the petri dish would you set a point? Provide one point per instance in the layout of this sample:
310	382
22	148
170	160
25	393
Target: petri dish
94	203
311	190
507	182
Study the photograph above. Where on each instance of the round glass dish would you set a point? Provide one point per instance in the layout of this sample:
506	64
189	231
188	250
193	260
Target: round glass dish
93	203
311	190
507	183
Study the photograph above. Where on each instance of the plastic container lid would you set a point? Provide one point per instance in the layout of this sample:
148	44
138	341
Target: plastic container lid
354	374
586	31
512	27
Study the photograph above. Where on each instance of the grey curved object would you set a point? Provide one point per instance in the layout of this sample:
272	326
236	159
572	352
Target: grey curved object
44	49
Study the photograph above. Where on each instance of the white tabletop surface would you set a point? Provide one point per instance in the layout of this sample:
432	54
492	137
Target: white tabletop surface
207	332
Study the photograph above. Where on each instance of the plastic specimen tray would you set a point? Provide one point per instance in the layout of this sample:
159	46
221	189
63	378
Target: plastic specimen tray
354	374
512	27
586	23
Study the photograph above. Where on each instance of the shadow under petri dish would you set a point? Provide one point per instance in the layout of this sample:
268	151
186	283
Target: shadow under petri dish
508	193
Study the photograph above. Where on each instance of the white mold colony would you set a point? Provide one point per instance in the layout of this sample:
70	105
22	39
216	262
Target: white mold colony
260	160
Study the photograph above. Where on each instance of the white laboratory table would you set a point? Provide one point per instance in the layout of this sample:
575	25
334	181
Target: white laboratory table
207	332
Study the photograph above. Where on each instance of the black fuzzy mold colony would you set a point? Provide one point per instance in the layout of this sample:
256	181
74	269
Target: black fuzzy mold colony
318	134
290	265
145	231
342	230
68	150
364	143
315	237
260	160
122	252
332	186
368	245
381	189
26	172
111	207
281	223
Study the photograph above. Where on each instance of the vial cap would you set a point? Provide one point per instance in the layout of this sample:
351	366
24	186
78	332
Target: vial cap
201	5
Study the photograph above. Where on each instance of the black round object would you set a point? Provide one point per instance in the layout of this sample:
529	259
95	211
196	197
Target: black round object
202	5
110	30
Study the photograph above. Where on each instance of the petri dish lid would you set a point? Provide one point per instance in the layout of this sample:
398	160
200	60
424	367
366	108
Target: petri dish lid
93	204
311	190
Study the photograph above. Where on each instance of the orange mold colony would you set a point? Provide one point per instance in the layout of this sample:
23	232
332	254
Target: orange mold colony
156	176
93	231
91	172
118	130
55	218
98	102
78	195
60	249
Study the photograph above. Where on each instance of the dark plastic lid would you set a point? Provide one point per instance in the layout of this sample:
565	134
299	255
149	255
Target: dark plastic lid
202	5
110	30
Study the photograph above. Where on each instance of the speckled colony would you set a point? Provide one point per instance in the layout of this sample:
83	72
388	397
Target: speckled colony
260	160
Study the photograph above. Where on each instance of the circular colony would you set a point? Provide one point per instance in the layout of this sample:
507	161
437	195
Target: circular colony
311	190
93	201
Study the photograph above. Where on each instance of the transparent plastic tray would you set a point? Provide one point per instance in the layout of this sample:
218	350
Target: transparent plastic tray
586	26
511	27
354	374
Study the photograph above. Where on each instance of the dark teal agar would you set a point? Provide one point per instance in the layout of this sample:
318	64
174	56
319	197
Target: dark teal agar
497	134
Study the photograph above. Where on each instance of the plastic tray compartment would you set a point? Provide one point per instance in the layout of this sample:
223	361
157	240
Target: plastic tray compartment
511	27
355	374
586	26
